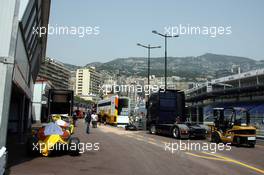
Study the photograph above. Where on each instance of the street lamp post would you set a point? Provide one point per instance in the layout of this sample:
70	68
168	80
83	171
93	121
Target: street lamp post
148	47
165	37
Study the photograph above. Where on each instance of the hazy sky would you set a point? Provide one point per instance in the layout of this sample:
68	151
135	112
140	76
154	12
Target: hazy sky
123	23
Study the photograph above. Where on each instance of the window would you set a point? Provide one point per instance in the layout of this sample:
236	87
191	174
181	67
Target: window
170	103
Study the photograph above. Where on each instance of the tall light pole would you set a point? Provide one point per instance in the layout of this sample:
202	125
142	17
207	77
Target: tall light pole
165	37
148	47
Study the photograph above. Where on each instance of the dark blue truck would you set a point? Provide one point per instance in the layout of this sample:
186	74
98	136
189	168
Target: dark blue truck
166	115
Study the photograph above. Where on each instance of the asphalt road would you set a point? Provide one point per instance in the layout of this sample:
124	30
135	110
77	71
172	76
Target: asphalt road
136	152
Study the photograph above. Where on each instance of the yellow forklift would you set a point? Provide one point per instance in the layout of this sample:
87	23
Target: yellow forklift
232	125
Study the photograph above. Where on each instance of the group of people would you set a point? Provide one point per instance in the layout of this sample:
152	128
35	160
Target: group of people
91	117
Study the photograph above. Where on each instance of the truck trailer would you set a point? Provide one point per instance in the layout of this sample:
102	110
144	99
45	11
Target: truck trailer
60	102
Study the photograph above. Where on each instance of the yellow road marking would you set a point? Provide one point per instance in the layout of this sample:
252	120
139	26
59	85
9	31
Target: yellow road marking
164	142
140	136
225	159
153	143
139	139
205	157
152	139
236	162
216	157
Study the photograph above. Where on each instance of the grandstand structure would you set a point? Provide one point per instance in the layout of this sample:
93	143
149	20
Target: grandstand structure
240	90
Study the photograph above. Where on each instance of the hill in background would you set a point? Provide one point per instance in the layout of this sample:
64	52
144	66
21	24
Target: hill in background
189	67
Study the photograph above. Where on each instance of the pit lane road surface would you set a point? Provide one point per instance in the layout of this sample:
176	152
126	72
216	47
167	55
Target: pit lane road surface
138	153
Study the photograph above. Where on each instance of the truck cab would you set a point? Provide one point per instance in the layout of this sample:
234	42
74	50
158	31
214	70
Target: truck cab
166	115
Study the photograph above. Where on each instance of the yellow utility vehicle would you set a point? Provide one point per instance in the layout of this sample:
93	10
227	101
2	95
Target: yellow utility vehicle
232	125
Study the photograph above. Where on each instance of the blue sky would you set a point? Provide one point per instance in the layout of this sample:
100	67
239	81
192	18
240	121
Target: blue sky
123	23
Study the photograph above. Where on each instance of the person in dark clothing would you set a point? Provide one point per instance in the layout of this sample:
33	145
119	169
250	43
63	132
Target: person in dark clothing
74	117
88	119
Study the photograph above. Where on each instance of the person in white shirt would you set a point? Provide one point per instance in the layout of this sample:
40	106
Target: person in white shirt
94	120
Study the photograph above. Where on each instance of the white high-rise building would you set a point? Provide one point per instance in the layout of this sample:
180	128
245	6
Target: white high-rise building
87	83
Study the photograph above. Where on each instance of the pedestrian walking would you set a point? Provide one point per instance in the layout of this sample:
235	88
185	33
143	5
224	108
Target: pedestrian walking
88	121
74	117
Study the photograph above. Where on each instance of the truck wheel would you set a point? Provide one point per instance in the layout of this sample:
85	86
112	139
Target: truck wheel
152	129
176	133
215	138
74	146
251	145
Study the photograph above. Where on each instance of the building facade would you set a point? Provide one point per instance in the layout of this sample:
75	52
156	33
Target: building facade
244	90
72	80
56	73
21	53
88	82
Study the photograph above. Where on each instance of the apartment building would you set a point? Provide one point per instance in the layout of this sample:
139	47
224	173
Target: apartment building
72	80
87	83
56	73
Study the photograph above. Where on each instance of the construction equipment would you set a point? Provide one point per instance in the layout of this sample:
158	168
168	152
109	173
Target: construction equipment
232	125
